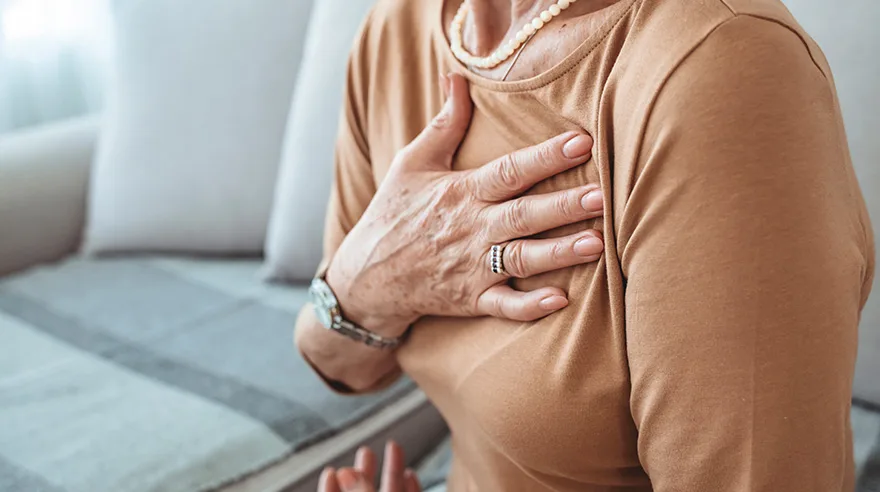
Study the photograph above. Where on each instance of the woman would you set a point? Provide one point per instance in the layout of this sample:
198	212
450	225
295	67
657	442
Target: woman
710	348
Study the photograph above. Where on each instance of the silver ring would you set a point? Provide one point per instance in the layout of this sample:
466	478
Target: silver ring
496	259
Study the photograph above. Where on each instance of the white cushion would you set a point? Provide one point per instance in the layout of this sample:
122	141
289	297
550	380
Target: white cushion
294	241
194	124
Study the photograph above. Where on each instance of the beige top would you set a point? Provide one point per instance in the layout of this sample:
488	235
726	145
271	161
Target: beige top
712	348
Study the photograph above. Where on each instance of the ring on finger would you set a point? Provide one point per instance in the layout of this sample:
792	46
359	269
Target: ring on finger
496	259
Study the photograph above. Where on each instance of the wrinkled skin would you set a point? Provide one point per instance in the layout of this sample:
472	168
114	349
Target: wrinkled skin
422	246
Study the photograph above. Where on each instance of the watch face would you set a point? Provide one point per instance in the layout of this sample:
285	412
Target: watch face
323	301
323	316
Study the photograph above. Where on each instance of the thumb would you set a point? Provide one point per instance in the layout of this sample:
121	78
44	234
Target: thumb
440	139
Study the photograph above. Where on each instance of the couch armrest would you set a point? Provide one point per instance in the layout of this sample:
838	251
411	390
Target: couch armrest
44	176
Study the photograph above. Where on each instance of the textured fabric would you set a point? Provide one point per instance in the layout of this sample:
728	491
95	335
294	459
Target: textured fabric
44	176
293	243
720	326
194	124
155	374
844	29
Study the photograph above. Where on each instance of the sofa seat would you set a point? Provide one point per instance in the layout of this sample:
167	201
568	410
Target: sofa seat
172	374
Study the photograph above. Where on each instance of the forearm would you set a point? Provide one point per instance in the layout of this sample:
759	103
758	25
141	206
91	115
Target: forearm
348	365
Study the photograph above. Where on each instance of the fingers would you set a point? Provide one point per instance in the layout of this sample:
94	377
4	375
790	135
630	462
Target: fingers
393	468
514	173
538	213
528	257
395	476
365	462
351	480
328	482
502	301
411	482
438	142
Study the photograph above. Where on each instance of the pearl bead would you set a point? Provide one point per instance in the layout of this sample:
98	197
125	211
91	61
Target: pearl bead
506	50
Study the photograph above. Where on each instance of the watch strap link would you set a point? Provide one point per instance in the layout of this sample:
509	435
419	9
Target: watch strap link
355	332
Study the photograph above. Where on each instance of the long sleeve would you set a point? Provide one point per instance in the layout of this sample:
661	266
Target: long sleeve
748	256
353	181
353	185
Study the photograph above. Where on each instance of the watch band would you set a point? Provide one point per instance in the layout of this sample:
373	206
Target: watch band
355	332
330	314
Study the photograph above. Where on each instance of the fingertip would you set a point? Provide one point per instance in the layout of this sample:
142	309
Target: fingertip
545	292
394	462
348	478
411	481
365	460
553	303
327	480
578	146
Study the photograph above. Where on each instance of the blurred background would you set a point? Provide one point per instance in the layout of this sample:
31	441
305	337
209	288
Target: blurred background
54	58
202	131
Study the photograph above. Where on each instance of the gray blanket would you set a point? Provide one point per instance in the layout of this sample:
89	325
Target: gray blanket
155	375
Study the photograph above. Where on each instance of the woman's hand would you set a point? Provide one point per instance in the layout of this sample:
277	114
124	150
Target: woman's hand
422	246
395	476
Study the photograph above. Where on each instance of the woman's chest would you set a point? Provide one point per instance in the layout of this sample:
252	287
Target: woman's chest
549	399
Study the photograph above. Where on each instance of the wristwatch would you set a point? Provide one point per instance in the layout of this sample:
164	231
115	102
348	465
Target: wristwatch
329	314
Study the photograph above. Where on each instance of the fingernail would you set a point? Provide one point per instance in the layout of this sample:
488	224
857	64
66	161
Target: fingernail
588	246
347	479
592	201
553	303
578	146
325	477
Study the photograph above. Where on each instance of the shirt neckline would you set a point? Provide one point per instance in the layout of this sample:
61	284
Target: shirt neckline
587	46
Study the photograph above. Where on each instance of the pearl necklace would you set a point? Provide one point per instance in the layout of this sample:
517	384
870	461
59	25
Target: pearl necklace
506	49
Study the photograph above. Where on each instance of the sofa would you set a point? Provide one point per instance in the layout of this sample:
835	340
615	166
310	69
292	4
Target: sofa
157	372
174	370
142	351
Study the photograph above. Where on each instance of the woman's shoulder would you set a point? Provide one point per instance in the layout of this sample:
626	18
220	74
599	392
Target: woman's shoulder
691	51
671	32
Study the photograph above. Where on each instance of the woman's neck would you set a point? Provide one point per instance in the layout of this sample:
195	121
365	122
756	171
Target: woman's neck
492	21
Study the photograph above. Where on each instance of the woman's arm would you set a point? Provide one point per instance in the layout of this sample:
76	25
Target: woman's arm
748	258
